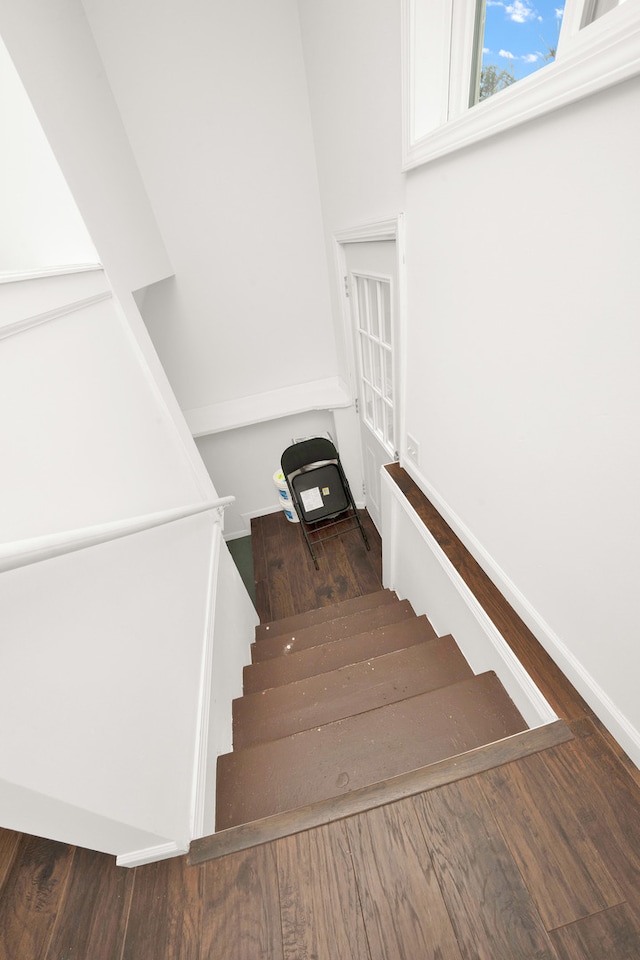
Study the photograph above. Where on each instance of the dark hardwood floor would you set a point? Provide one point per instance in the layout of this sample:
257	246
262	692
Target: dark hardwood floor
539	858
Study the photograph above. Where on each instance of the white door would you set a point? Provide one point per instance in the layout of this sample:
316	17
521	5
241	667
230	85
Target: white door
372	288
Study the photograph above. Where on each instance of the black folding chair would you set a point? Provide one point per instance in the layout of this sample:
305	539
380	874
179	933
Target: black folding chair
320	492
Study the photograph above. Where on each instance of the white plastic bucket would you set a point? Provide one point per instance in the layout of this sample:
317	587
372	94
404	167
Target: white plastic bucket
289	511
281	484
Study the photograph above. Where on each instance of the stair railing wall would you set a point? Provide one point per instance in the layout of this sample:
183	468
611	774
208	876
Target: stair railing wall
418	570
123	617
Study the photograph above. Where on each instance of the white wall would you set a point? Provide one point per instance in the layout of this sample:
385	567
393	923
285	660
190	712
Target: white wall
53	50
100	684
522	380
242	463
522	337
213	98
40	225
84	438
352	61
112	680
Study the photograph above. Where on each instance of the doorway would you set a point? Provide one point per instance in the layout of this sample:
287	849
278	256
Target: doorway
372	312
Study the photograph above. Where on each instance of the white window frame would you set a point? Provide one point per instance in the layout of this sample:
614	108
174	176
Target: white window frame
438	38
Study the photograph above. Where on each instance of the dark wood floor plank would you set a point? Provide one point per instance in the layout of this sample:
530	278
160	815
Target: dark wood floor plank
281	598
31	897
299	565
490	908
96	905
321	913
165	920
613	934
604	798
347	568
260	572
366	564
241	909
404	912
562	869
9	841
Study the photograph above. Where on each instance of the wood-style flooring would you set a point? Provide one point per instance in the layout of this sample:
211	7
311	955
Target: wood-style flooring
539	858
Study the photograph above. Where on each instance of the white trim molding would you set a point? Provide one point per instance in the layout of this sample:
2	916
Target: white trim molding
163	851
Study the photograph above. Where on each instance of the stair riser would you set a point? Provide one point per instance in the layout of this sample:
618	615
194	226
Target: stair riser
290	643
339	653
266	631
350	690
325	762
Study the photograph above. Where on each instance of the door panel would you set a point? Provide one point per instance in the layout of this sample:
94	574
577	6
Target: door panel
372	286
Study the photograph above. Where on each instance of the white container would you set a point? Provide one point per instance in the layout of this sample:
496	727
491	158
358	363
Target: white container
281	484
289	511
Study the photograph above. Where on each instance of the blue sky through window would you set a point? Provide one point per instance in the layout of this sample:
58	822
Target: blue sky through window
522	35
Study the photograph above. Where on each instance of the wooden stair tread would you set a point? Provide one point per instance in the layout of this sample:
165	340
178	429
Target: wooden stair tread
430	777
346	691
337	653
327	631
324	762
266	631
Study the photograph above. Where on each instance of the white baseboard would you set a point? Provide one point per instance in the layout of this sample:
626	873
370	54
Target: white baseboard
163	851
247	518
614	720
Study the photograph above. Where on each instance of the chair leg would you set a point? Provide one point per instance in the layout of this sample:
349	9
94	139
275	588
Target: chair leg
309	545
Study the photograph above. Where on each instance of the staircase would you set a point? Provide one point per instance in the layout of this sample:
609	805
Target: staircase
352	706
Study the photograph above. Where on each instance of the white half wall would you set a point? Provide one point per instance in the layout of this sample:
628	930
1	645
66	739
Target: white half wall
101	670
418	570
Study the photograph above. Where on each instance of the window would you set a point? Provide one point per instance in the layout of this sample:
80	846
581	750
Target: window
596	44
514	38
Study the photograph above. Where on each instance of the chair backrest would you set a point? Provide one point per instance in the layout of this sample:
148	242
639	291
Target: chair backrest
306	452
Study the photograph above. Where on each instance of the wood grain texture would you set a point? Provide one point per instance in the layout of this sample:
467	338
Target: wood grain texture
320	908
291	583
329	656
367	798
33	891
294	640
165	921
604	798
489	905
324	762
9	841
404	911
562	869
241	910
349	690
266	631
613	934
96	909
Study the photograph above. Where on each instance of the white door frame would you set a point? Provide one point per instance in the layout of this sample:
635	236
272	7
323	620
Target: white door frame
391	229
